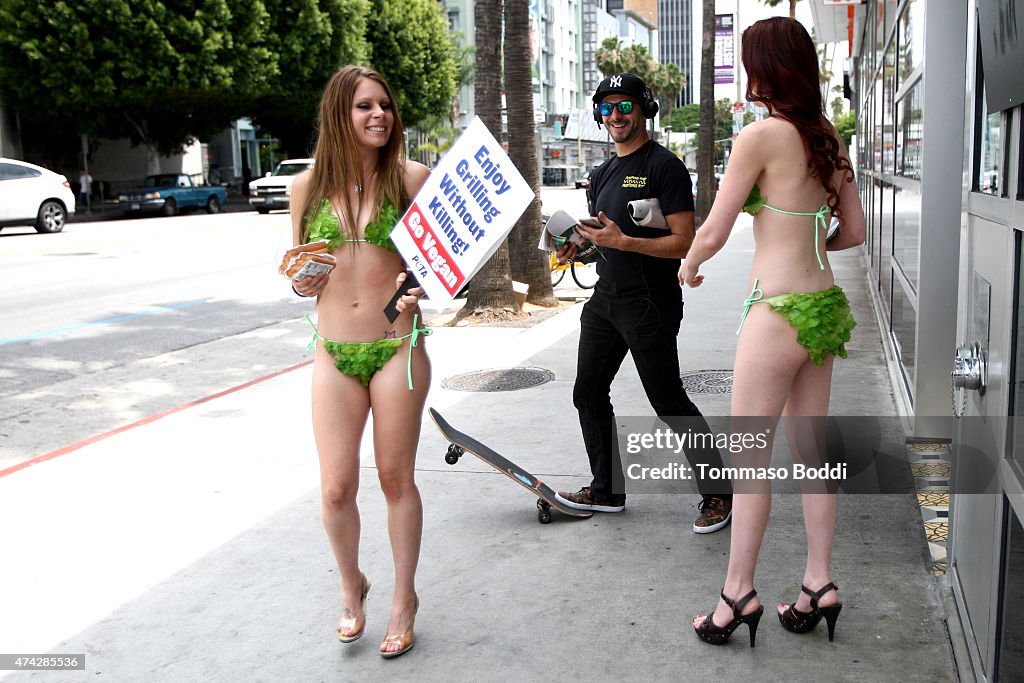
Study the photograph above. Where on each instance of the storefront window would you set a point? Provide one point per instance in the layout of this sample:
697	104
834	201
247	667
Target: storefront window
889	111
988	142
890	15
879	125
904	330
885	210
865	134
1011	641
908	140
868	197
874	228
879	27
911	38
906	241
1020	157
1016	448
990	161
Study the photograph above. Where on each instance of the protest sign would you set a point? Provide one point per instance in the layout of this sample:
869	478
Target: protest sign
462	214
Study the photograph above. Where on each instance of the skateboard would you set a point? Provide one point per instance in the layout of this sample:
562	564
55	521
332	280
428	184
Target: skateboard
461	443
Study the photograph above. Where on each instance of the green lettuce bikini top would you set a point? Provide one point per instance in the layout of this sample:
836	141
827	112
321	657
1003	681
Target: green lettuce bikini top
757	201
326	226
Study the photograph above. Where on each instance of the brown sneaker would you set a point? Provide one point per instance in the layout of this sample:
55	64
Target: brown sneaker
585	500
715	514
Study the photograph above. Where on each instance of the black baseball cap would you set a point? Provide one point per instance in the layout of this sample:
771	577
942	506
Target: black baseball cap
624	83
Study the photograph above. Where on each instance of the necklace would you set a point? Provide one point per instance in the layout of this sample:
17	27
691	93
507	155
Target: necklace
359	189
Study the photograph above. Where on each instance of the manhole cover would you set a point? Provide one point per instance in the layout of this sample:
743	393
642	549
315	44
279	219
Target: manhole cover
511	379
707	381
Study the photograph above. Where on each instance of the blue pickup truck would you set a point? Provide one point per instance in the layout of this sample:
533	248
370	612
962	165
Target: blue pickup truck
169	193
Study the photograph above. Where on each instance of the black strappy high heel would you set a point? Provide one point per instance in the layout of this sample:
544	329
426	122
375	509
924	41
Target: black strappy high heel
801	622
710	632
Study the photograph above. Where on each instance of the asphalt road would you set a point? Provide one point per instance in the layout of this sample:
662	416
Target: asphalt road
113	321
109	322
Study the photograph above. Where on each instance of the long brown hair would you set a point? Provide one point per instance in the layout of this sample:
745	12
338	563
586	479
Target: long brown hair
338	162
782	72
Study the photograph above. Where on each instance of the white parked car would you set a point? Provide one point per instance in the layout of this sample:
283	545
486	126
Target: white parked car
32	195
275	190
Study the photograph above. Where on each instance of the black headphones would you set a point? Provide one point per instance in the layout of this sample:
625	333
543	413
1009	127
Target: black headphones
648	106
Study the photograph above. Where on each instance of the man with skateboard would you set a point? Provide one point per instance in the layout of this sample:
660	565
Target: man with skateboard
637	305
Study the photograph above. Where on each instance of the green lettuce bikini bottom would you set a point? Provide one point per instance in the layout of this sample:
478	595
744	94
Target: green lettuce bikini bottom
822	319
363	360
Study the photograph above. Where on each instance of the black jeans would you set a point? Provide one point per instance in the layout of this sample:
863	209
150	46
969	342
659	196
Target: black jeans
609	327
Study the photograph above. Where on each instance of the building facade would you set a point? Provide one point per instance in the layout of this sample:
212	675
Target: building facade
679	38
937	90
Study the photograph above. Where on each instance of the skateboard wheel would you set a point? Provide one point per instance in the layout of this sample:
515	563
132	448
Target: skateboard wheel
543	511
453	454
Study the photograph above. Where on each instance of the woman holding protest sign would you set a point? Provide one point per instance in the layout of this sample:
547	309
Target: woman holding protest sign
791	171
356	192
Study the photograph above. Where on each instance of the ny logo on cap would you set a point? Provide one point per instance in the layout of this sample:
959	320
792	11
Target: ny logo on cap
615	82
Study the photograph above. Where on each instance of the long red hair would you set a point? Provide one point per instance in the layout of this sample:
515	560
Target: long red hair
782	73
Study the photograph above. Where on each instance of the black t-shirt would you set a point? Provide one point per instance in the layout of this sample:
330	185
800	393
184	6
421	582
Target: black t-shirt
651	172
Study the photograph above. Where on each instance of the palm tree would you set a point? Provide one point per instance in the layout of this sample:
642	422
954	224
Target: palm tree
706	132
528	263
776	3
609	56
669	82
612	57
490	291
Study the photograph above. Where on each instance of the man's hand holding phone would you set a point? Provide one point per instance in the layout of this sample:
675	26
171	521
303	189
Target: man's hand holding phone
602	231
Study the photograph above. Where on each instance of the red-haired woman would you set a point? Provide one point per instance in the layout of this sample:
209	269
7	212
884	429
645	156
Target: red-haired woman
355	193
793	173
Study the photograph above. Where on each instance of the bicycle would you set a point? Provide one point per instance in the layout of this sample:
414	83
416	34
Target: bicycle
583	275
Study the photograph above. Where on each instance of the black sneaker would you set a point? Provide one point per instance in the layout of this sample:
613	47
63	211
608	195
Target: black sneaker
584	499
715	514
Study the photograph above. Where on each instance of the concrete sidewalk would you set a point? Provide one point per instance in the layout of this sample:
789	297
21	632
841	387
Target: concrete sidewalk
190	548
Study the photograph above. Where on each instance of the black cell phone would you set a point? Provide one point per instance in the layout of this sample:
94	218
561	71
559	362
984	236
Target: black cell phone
591	223
391	310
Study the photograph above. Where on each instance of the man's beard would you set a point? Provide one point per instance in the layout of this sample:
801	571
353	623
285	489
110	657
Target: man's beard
625	134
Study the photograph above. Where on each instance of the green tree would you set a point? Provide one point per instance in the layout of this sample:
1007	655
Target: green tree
410	44
776	3
665	80
687	118
846	125
613	57
437	133
528	264
669	81
148	70
312	40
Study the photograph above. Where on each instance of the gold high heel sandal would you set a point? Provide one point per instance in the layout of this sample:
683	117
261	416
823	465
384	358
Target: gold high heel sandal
348	620
405	641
